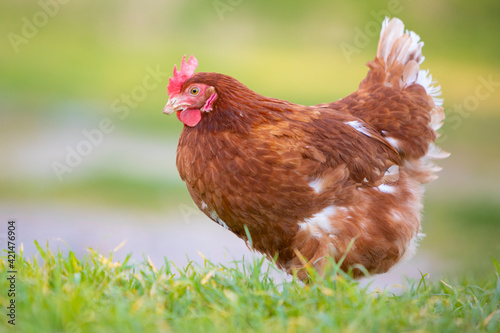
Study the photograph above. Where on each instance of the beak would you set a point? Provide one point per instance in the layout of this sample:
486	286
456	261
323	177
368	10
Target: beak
172	106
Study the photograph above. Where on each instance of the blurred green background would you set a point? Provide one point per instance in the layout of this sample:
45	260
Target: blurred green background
65	66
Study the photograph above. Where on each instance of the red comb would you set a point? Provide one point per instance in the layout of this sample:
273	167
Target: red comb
180	76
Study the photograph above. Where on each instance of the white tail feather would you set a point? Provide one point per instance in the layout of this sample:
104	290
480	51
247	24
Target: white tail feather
401	46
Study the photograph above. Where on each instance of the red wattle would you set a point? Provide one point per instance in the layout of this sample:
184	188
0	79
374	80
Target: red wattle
190	117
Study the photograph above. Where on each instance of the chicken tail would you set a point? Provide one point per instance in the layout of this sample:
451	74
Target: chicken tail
409	110
401	52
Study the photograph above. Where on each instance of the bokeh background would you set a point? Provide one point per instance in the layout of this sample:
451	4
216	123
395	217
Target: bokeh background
69	67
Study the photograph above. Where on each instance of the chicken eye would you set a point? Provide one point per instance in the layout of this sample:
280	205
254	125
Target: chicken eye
194	91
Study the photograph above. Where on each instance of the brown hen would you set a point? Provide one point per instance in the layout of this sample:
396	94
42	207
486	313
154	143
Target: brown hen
308	180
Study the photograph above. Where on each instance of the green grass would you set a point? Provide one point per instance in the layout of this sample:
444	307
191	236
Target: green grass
62	293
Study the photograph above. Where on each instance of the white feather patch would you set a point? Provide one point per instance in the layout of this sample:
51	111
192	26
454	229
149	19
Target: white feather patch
358	127
393	142
435	152
387	188
425	80
316	185
216	218
321	220
393	170
412	247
